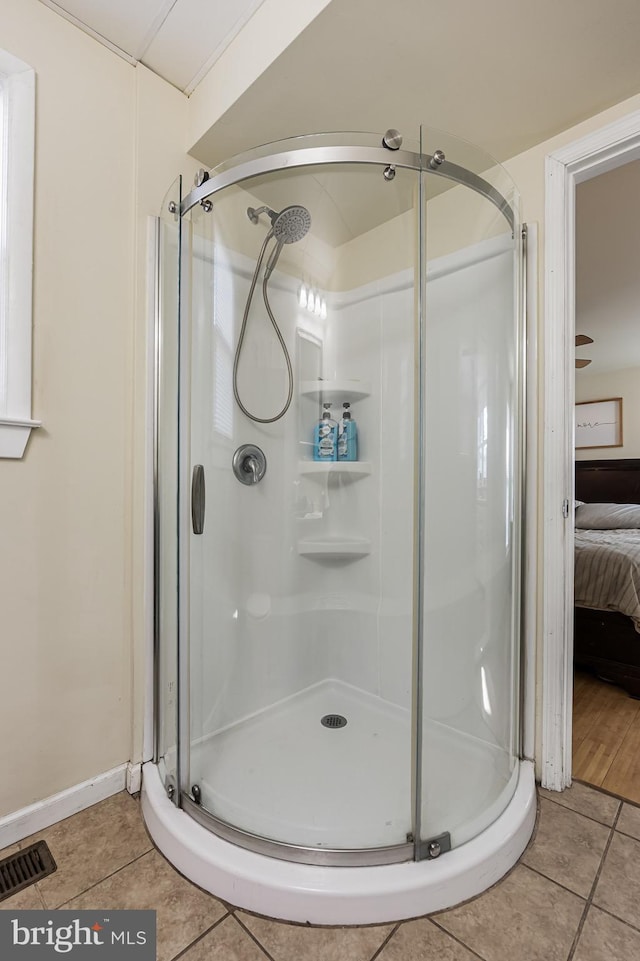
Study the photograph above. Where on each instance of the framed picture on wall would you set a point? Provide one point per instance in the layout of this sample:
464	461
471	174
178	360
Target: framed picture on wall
598	423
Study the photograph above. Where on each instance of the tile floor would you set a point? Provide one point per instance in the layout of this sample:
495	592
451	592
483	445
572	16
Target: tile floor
574	896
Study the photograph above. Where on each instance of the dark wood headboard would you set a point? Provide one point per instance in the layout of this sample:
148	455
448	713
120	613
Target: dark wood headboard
608	481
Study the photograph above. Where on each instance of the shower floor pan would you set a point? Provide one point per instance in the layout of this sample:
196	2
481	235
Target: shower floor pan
283	775
319	894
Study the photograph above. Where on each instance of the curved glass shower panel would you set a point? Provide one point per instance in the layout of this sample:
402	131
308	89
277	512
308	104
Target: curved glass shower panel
301	604
293	146
166	487
471	522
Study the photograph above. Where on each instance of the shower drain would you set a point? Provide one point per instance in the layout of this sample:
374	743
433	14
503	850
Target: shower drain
333	720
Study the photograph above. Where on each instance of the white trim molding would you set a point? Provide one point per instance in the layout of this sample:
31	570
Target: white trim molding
14	827
134	777
17	152
597	153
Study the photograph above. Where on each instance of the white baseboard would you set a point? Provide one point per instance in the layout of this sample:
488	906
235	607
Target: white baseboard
14	827
134	778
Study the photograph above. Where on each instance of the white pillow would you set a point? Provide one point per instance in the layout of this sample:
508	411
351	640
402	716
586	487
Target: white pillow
607	517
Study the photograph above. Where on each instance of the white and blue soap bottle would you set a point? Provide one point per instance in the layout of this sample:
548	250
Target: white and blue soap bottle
325	437
347	436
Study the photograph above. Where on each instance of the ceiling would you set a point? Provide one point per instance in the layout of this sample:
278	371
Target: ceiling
177	39
503	74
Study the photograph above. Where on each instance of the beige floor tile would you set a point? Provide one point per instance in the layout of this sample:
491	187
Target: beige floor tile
523	918
227	942
184	912
629	821
618	888
294	942
27	900
7	852
91	845
422	941
568	847
585	800
604	938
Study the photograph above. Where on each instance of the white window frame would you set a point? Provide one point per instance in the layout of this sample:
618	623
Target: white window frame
17	83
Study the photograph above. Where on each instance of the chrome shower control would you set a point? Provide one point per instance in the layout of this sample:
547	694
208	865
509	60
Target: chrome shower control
249	464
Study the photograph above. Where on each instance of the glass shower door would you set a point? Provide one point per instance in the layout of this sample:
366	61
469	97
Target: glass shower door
471	504
301	604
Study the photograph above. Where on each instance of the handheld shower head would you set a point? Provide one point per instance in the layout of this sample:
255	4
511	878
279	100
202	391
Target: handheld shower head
291	224
287	227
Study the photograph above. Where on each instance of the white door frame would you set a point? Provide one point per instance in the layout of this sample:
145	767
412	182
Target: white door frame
603	150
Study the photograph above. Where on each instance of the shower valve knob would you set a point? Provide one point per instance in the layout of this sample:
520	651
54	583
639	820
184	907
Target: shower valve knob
249	464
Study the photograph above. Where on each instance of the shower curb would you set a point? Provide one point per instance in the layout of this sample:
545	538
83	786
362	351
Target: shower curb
339	895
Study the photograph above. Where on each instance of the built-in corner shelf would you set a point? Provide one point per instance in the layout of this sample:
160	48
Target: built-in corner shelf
335	391
339	468
334	548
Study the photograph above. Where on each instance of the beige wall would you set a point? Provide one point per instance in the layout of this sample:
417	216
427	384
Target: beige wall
108	139
623	383
72	563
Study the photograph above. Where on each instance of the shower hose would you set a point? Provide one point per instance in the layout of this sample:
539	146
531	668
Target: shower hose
243	328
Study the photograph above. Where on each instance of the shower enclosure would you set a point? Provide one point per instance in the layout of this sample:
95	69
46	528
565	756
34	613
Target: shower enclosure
337	665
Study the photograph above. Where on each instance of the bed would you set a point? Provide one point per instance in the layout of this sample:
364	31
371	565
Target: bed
607	618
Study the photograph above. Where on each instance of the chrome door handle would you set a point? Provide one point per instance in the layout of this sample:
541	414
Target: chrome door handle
197	499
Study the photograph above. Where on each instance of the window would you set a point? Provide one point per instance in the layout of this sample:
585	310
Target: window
17	123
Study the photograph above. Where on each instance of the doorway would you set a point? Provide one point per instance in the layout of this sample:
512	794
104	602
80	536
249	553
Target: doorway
604	150
606	704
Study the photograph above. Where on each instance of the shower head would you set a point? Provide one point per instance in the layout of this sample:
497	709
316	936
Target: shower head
289	226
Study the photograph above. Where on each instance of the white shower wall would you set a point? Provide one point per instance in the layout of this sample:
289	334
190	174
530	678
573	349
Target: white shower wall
370	339
267	622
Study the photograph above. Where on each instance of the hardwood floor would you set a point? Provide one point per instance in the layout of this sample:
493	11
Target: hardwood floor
606	736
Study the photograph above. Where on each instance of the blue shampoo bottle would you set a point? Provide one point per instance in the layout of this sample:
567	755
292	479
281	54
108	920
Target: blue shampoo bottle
325	437
347	436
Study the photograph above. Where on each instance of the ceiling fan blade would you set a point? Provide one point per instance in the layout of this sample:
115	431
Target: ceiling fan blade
582	339
582	363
